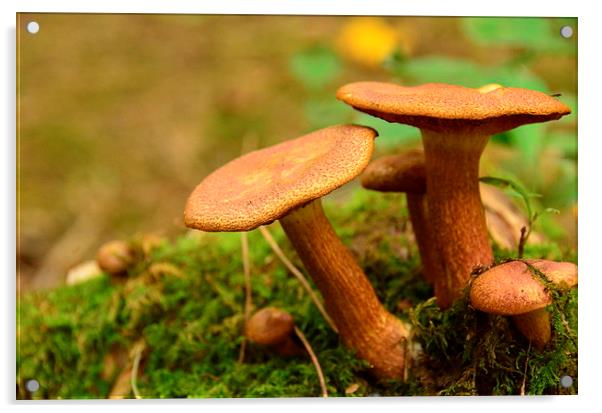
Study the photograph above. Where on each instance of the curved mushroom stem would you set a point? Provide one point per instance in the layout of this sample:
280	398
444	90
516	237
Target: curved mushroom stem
363	323
535	325
455	208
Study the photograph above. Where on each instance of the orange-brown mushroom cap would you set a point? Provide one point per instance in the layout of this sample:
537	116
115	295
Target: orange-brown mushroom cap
114	257
269	326
512	288
397	173
264	185
437	105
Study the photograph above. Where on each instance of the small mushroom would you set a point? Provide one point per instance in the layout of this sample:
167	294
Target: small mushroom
511	289
273	328
285	182
455	123
115	257
276	328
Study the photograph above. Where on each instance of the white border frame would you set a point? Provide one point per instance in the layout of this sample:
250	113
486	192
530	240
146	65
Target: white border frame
589	170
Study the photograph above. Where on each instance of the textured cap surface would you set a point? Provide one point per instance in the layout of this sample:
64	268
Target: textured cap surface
397	173
512	289
438	105
264	185
563	274
269	326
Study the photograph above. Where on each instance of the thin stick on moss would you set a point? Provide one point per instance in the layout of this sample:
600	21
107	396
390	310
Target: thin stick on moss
249	143
314	360
298	274
524	384
248	291
247	273
137	352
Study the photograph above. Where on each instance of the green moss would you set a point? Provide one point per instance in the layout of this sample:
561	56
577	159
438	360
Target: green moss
185	302
477	353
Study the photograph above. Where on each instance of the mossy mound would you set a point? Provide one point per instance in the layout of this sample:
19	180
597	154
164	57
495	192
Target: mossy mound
182	308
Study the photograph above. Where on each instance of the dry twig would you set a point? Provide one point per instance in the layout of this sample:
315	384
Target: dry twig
314	360
137	353
248	292
524	384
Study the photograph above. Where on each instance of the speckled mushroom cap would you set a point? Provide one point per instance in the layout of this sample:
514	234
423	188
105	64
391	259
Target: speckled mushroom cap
438	106
269	326
397	173
264	185
512	289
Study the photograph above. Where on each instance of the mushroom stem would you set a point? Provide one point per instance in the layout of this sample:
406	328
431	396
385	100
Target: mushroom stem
363	323
536	326
432	264
287	347
418	209
455	208
298	274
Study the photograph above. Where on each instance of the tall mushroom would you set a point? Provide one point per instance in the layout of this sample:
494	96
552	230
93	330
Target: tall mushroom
285	182
511	289
406	172
455	123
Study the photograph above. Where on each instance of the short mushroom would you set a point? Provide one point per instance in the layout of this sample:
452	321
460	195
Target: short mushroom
285	182
276	328
273	328
512	289
405	173
115	257
455	123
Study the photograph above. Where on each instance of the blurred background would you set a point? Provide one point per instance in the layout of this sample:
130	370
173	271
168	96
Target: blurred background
121	116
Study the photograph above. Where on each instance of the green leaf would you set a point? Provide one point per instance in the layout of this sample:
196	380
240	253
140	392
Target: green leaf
518	76
564	141
465	73
563	191
444	69
528	32
390	135
529	140
315	67
321	113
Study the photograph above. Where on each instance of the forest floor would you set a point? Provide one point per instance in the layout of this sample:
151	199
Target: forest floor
173	326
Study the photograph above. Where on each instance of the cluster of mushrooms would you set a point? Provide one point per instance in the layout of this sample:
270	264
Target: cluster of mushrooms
286	181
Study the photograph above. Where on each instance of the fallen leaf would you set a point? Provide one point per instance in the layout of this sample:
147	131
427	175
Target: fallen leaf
352	388
504	219
83	272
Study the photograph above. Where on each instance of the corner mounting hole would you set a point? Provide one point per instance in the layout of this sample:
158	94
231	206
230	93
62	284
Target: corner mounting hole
32	385
33	27
566	381
566	32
